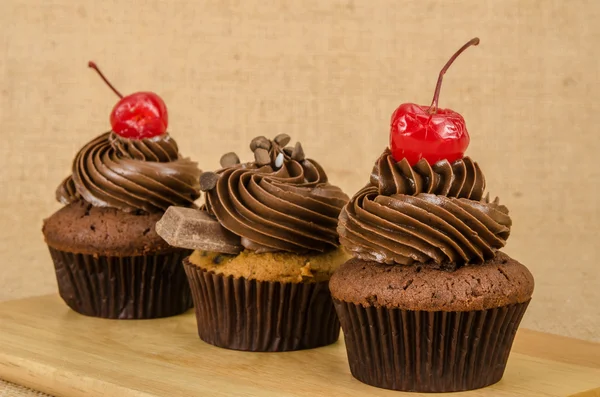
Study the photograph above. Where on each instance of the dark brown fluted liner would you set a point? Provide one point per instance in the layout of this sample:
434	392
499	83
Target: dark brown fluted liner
261	316
136	287
428	351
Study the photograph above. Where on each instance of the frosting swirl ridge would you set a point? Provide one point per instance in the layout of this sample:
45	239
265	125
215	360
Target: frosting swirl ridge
423	214
280	202
131	174
463	178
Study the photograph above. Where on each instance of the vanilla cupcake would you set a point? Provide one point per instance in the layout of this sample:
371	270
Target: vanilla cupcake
266	246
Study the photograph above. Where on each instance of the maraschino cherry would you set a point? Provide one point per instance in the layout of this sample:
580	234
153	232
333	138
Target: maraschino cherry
429	132
137	116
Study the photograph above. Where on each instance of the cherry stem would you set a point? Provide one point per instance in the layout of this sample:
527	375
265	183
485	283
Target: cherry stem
436	96
95	67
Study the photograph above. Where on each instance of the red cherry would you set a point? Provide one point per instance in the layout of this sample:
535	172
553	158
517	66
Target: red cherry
140	115
428	132
137	116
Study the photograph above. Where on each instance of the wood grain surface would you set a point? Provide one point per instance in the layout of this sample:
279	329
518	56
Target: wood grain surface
46	346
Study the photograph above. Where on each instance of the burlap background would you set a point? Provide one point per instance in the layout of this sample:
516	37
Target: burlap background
329	73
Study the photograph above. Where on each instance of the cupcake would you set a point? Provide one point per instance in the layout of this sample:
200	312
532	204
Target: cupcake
109	260
428	303
265	247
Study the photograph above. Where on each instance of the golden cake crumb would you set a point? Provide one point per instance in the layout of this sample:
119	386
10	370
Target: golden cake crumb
273	266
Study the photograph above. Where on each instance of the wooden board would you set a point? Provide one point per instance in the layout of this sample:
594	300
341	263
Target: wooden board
46	346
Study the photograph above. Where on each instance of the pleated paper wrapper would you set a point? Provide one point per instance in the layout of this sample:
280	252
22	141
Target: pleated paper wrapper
261	316
136	287
428	351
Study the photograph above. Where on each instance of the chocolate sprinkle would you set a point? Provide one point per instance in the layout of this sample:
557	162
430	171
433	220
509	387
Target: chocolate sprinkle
282	139
229	160
208	180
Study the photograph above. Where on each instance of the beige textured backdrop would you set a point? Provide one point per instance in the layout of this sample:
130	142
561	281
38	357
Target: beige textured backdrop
329	73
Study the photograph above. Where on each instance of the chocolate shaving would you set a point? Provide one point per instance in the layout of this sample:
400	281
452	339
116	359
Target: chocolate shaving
262	156
193	229
282	139
208	180
298	152
229	160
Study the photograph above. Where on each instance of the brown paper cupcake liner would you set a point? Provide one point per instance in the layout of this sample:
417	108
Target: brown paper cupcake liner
136	287
261	316
428	351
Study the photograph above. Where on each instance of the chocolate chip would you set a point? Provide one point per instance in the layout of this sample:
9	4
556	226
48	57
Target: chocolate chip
264	144
208	180
279	160
298	152
218	259
260	142
282	139
229	160
371	299
262	156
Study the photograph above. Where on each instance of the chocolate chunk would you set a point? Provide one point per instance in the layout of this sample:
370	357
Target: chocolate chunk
282	139
208	180
262	156
194	229
260	142
229	160
298	152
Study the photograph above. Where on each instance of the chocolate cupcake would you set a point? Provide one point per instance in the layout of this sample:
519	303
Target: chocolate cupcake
428	303
266	246
109	260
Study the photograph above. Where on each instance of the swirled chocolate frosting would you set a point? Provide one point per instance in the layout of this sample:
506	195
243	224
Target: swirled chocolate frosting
424	214
131	175
280	202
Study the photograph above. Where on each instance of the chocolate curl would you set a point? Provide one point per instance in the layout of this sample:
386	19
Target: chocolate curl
193	229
